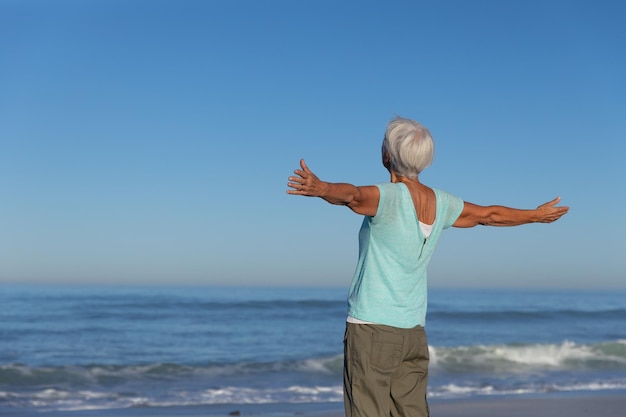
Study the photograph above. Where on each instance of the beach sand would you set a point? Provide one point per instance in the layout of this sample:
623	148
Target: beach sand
599	406
571	406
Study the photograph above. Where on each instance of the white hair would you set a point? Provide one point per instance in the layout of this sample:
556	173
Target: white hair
409	146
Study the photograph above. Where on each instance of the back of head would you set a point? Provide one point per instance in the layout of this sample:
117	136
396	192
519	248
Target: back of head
409	146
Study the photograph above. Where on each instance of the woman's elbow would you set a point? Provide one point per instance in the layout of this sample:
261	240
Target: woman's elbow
466	222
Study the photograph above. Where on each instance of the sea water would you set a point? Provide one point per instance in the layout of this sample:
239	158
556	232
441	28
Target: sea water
85	348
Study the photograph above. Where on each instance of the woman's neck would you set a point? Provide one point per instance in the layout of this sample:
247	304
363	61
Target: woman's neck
399	178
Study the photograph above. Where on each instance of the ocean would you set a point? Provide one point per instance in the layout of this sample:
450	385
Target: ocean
71	348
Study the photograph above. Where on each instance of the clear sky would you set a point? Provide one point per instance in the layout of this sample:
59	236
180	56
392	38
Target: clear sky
150	141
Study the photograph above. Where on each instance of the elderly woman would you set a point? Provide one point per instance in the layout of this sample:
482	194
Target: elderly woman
385	346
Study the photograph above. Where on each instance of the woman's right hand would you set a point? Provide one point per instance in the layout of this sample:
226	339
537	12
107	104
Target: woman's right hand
306	182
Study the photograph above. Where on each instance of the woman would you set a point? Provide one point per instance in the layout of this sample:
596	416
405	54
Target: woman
385	346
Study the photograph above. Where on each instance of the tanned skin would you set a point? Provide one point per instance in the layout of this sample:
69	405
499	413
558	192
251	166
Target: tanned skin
364	200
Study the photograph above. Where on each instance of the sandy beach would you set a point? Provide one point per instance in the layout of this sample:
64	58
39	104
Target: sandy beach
602	406
561	406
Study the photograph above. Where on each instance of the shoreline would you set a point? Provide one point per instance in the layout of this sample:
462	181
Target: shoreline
571	405
559	405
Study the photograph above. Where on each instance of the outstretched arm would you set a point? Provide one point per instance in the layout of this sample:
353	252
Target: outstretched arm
361	200
473	215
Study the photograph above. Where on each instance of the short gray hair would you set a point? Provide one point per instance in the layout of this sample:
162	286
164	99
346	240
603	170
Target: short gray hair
409	146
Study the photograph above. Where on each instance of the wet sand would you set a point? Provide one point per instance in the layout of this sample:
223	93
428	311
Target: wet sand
561	406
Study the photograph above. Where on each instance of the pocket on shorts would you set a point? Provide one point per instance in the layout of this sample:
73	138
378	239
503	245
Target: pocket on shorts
423	346
386	350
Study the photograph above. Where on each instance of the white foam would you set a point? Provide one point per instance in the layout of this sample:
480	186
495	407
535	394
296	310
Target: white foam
544	355
52	394
593	386
456	391
292	394
522	358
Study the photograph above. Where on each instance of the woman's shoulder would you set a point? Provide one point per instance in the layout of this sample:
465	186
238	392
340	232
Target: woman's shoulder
393	193
443	194
449	206
391	186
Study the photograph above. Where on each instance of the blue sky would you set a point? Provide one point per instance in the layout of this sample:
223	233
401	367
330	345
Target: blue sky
149	142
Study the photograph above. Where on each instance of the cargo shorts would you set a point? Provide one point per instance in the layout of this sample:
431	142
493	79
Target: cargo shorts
385	371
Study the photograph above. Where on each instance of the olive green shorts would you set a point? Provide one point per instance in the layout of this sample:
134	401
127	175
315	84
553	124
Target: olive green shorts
385	371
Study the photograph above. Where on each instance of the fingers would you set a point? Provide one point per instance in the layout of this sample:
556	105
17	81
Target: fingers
550	211
304	182
553	203
305	168
302	172
297	189
298	182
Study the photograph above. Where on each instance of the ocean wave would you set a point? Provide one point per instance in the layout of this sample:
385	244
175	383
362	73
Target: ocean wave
530	314
131	305
456	372
58	399
513	358
449	391
74	375
506	358
67	400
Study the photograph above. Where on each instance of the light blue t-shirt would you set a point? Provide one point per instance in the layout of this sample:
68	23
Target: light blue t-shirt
389	284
